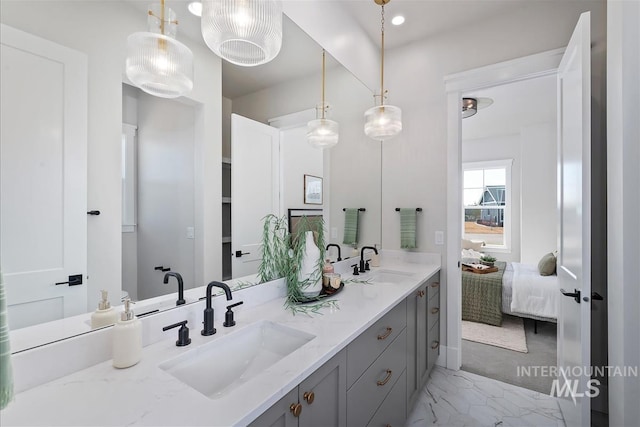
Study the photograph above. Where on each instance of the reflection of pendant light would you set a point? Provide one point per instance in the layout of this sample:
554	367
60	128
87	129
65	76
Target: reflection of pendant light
382	121
156	62
322	133
244	32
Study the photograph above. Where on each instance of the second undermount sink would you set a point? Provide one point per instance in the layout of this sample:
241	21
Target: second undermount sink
217	368
390	276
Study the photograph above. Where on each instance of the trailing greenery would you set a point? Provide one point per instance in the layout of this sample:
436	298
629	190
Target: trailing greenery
282	256
487	258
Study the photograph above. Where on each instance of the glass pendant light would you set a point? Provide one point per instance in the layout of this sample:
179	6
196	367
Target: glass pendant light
243	32
156	62
382	121
322	132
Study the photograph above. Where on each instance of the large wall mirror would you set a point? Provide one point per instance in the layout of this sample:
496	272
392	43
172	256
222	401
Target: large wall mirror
175	209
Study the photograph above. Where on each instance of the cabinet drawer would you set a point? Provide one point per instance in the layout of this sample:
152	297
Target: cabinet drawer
371	343
433	311
366	395
433	285
433	349
392	411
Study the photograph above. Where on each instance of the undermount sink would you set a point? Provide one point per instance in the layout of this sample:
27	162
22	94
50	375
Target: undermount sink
391	276
217	368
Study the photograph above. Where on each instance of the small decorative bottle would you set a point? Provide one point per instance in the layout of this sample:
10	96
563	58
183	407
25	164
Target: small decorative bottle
310	270
327	269
127	338
105	315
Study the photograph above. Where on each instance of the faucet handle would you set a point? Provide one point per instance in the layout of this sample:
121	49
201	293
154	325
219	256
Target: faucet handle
367	267
183	333
228	316
355	270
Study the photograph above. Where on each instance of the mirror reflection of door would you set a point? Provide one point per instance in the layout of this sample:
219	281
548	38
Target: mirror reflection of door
158	233
43	179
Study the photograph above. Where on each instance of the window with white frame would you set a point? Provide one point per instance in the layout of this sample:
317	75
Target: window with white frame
487	203
129	162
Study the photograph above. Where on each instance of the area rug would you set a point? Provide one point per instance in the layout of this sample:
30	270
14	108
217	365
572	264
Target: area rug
510	335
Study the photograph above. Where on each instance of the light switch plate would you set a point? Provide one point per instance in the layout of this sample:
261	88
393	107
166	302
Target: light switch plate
439	237
191	233
334	232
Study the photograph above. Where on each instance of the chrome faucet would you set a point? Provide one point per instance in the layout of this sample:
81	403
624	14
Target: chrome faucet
180	285
208	328
362	265
339	250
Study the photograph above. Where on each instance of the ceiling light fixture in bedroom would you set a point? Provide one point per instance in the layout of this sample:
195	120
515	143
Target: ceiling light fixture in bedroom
470	106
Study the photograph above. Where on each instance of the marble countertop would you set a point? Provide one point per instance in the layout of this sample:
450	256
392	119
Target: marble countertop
146	395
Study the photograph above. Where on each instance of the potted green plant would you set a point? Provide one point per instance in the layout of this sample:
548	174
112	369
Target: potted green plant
487	260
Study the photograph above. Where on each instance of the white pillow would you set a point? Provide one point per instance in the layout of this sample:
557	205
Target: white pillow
470	244
469	256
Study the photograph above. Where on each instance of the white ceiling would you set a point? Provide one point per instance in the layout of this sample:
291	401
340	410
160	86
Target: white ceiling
424	18
515	105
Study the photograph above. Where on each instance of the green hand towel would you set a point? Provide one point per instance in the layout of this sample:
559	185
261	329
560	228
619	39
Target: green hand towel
350	227
6	375
407	228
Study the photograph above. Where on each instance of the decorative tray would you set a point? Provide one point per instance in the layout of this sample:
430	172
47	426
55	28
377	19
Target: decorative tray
325	293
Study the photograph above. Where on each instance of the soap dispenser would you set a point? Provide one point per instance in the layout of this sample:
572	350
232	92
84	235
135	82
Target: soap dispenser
105	315
127	338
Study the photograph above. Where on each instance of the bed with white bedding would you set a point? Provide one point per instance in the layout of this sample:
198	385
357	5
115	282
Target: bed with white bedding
525	293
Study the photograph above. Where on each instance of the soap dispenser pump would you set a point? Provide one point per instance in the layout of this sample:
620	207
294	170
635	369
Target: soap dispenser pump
127	338
105	315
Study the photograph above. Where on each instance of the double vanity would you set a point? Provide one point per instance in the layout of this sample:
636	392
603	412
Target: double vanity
360	363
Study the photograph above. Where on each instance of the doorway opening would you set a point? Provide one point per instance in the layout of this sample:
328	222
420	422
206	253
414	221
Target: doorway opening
508	219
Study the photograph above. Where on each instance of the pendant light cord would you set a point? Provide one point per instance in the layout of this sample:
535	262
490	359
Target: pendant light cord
323	65
162	17
382	59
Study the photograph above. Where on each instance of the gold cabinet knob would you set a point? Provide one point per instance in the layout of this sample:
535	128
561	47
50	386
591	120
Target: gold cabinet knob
435	310
386	334
309	396
435	284
296	409
435	345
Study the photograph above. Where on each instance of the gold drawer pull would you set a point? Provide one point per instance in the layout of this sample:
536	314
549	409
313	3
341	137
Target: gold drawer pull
435	310
435	345
435	284
386	379
309	396
420	294
386	334
296	409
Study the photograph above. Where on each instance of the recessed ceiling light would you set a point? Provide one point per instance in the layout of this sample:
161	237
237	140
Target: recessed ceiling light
195	7
398	20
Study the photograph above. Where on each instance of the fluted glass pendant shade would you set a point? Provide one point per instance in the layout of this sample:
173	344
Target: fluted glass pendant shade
382	122
243	32
322	133
156	62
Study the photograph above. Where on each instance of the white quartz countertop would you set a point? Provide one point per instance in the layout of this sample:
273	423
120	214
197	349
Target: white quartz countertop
146	395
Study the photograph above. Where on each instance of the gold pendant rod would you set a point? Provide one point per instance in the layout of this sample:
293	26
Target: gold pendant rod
323	65
382	61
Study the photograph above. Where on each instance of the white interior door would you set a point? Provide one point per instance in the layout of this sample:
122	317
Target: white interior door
43	178
574	257
255	189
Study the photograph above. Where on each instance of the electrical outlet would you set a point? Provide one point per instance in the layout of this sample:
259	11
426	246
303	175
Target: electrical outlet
191	233
439	237
334	232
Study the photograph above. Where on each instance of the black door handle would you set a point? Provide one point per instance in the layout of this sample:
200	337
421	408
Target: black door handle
93	213
240	253
74	280
162	268
575	294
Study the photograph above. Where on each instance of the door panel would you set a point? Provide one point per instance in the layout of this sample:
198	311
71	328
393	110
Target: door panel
574	245
255	189
43	177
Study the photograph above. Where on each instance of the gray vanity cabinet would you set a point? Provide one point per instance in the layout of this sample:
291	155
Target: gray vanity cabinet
423	308
320	400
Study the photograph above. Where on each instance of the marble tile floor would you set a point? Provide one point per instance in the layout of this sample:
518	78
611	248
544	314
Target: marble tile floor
459	398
